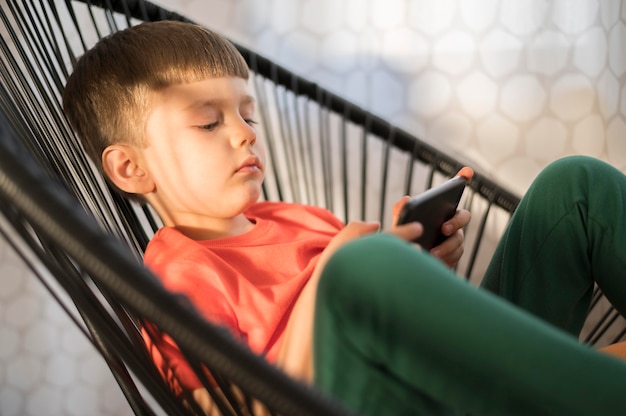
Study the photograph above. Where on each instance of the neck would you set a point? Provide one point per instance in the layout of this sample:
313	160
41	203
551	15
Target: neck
202	225
218	228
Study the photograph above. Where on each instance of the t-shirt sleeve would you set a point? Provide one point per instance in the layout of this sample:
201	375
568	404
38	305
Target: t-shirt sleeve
170	361
197	283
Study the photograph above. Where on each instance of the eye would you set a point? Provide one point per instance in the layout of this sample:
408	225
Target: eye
209	127
250	121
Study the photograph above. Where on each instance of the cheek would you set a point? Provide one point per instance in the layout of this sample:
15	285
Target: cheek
171	168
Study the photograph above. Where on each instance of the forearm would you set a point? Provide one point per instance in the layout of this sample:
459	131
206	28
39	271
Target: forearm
295	356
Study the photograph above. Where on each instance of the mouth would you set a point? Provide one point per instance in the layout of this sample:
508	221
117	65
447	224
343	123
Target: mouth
250	165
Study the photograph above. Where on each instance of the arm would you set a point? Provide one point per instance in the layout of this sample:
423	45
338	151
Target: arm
296	355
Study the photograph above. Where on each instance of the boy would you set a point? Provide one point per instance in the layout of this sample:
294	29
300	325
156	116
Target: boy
164	112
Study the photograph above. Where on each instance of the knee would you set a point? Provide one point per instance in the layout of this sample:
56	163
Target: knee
360	271
577	168
367	273
575	175
350	270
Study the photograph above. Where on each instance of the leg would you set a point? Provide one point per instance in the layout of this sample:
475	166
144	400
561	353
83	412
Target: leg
569	229
396	332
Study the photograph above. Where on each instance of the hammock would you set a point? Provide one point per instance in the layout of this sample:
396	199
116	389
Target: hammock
75	233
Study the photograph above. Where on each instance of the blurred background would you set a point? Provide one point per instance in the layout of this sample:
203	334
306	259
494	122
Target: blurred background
506	85
509	85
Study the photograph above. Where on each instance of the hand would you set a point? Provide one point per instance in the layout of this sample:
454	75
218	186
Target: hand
451	250
408	232
205	402
352	231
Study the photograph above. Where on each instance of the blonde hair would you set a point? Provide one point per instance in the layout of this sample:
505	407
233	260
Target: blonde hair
107	97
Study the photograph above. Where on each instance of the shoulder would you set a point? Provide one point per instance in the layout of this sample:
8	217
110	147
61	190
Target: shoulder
181	263
168	239
169	247
184	267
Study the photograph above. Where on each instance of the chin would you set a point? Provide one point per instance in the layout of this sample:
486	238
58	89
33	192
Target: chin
237	201
251	199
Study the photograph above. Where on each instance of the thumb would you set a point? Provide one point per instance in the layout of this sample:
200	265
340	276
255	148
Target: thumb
359	228
409	231
466	172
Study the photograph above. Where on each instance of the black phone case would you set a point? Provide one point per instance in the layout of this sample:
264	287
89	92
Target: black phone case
432	208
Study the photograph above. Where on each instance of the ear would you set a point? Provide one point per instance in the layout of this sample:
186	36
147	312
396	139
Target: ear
122	165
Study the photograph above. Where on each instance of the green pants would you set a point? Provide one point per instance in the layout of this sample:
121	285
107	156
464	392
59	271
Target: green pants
397	333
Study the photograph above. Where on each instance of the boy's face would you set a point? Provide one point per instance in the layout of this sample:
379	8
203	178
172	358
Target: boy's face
202	153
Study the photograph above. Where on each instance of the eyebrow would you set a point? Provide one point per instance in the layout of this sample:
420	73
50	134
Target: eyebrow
246	100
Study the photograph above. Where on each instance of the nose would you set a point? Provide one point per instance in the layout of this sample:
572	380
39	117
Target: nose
243	134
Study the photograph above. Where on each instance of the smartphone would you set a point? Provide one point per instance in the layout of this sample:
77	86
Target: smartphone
432	208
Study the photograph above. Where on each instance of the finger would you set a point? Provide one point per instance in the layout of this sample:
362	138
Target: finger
359	228
459	221
449	246
370	227
397	209
352	230
451	259
466	172
408	232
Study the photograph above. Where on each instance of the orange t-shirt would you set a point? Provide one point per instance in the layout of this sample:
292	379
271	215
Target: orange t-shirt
249	282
